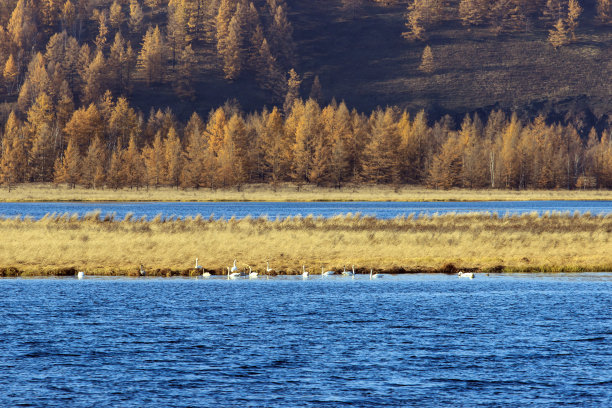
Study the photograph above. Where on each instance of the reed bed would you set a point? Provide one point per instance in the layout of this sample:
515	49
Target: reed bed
60	244
289	192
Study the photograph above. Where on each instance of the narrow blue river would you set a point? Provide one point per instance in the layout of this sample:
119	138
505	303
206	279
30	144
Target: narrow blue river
282	209
421	341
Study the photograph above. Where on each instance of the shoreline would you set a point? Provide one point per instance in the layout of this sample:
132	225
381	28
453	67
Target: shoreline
67	272
287	192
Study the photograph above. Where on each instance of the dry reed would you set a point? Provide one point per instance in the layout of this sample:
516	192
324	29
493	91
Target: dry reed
63	243
289	192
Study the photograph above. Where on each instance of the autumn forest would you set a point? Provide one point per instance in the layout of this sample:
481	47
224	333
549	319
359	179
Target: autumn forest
81	82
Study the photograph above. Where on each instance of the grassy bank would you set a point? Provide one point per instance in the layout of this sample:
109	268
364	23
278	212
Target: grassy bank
289	192
63	244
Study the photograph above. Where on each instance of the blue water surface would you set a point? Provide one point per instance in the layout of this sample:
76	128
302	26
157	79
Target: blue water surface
422	341
285	209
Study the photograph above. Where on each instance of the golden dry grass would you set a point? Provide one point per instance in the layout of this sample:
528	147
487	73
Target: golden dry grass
289	192
554	242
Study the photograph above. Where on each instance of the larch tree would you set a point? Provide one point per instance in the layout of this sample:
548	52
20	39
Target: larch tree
13	161
281	37
84	125
232	55
604	10
224	17
381	158
100	40
215	129
293	90
42	155
155	162
68	167
472	12
173	158
10	74
133	166
573	15
94	164
115	15
136	17
193	174
276	145
176	29
445	171
316	91
152	57
21	26
68	17
95	78
427	61
414	22
557	37
185	75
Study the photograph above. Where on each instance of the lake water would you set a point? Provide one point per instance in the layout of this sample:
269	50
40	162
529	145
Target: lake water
325	209
424	340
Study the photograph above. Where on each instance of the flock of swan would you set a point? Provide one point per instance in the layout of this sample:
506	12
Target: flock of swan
233	273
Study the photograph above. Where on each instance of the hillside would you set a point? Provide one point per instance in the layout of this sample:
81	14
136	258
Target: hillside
357	50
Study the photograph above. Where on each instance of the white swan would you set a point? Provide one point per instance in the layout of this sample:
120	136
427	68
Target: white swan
349	273
142	271
305	273
353	275
469	275
268	269
80	275
375	275
253	275
234	268
233	275
326	273
206	274
197	265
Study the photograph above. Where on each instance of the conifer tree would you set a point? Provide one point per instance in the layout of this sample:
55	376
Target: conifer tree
41	158
572	17
446	167
94	78
115	174
472	12
557	37
293	90
427	61
281	37
21	26
10	74
151	60
277	146
177	29
68	17
215	129
13	161
102	30
136	16
224	17
604	10
193	174
415	21
123	123
381	161
116	15
155	162
93	175
133	166
68	167
173	158
184	79
316	92
232	58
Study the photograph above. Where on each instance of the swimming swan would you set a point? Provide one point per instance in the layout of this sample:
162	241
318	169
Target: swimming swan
142	271
233	275
469	275
234	268
326	273
253	275
375	275
305	273
197	265
80	275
